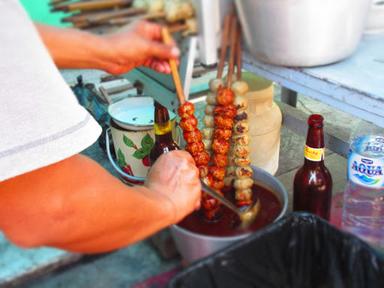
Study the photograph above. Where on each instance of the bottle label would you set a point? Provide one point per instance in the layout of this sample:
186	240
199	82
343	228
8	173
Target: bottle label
314	154
164	128
364	170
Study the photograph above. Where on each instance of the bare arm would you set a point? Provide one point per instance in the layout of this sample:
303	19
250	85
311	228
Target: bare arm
76	205
136	45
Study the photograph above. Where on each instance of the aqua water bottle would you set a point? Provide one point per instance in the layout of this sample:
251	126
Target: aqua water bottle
363	210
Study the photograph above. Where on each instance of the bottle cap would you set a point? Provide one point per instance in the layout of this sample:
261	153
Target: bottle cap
315	120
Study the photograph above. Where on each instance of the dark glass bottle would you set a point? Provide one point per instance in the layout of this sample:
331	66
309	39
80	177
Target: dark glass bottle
163	134
312	186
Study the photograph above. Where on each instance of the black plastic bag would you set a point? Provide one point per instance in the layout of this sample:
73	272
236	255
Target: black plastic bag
301	250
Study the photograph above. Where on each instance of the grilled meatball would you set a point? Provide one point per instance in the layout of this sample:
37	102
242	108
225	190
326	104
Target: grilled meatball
193	136
244	196
209	122
241	151
209	109
215	84
220	146
220	160
223	122
224	134
242	139
244	172
228	111
208	133
241	127
217	184
241	184
195	148
201	158
242	162
188	124
187	109
225	96
240	87
211	99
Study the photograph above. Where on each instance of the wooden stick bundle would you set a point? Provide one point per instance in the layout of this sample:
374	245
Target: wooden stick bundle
91	5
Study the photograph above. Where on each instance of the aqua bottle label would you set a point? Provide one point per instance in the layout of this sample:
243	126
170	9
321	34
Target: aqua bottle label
366	162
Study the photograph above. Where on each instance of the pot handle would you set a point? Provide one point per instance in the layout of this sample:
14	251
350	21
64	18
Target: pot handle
115	165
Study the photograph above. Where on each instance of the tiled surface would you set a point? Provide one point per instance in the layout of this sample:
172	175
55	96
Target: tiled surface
15	262
120	269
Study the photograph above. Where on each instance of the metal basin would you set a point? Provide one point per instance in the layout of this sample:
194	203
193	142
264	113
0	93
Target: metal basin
193	246
302	32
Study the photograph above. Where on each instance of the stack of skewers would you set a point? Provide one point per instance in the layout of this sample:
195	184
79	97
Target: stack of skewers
178	15
221	151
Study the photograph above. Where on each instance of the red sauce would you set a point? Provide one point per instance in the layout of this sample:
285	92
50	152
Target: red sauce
229	223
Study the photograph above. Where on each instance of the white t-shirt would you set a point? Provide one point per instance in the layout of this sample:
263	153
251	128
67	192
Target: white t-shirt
41	121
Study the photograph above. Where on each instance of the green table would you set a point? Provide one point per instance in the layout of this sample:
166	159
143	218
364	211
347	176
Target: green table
39	12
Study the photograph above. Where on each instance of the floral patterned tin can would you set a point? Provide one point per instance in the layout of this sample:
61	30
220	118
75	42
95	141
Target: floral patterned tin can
132	134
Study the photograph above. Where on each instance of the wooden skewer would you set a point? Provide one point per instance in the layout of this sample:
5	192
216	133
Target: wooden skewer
104	18
224	45
177	28
239	53
167	39
55	2
129	19
83	16
118	14
91	5
119	17
232	51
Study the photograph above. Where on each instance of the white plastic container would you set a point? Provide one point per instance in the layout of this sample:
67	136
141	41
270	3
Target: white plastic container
265	119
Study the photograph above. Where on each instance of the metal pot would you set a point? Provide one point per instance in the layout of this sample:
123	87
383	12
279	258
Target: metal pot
193	246
302	32
375	23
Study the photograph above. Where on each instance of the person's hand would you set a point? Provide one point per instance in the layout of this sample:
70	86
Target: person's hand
175	176
139	44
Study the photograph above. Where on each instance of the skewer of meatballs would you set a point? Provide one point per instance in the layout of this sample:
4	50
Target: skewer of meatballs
239	173
214	86
226	126
188	122
223	112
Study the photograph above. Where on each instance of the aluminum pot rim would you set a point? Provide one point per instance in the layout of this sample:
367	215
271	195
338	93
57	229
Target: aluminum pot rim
284	209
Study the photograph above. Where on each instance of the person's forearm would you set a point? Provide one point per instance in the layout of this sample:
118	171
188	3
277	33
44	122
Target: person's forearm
76	205
71	48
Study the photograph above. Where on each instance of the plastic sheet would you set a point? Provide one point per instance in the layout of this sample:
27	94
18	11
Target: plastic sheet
301	250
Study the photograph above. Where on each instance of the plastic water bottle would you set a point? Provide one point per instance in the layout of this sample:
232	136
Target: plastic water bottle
363	210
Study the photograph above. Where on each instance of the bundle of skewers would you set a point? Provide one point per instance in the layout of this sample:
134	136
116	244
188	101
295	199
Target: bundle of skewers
178	15
221	151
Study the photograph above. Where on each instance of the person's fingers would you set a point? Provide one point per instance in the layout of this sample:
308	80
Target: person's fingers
167	68
184	155
149	30
162	51
148	62
159	64
158	67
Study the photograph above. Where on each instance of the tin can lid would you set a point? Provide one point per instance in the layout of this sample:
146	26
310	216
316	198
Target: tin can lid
135	113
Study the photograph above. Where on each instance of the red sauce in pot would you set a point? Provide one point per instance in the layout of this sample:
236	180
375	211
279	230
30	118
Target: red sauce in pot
228	223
